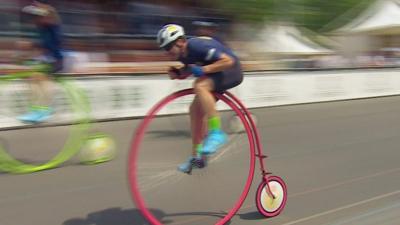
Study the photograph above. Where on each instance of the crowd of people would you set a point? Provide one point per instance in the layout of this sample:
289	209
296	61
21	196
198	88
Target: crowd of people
124	31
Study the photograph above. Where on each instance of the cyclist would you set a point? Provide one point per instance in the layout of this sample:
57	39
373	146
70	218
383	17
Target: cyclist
207	28
47	22
216	69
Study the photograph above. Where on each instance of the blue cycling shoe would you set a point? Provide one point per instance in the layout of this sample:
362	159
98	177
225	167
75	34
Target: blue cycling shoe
36	115
190	163
44	114
29	117
214	141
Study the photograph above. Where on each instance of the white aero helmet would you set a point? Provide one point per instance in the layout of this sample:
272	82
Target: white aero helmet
168	34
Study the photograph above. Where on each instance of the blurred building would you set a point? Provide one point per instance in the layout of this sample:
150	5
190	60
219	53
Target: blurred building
123	30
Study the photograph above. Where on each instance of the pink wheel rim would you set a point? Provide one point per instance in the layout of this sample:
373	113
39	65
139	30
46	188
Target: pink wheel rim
135	147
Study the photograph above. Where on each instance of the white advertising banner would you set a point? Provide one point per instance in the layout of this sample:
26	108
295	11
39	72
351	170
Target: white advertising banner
133	96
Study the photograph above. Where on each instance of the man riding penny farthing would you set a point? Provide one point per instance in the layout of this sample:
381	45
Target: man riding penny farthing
216	69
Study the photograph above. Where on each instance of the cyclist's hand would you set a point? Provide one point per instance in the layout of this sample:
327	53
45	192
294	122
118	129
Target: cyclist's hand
173	72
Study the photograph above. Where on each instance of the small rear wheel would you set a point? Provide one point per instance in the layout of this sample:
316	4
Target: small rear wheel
267	205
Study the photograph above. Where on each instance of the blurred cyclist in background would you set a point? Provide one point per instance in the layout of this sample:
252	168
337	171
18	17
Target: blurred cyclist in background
216	69
47	22
208	29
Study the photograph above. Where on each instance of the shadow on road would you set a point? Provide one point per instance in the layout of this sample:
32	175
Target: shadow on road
118	216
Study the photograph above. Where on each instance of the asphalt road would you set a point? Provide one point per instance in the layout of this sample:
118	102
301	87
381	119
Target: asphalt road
340	161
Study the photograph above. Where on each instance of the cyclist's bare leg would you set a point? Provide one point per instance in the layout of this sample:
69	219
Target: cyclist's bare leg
40	86
203	88
198	122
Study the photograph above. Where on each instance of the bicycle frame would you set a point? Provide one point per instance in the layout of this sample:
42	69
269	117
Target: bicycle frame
257	140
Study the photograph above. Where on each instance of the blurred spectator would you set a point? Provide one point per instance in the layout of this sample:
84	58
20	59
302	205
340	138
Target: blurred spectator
8	15
147	18
81	19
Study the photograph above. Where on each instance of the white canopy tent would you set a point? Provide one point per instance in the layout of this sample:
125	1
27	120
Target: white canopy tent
382	17
288	40
372	32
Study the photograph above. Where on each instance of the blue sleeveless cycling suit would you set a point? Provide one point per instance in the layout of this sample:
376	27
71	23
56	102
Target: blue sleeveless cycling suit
50	38
203	51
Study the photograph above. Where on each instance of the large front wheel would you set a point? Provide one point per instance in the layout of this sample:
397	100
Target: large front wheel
68	98
160	191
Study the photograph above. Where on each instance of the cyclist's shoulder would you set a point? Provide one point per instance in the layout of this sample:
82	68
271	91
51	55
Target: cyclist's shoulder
200	40
203	42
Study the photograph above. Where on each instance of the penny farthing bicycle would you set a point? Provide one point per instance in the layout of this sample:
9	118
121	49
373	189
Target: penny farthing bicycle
271	194
15	93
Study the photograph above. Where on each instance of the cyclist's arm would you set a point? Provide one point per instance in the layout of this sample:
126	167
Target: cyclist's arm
225	61
221	60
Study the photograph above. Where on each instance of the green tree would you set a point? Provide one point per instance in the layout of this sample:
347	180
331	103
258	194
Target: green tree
313	14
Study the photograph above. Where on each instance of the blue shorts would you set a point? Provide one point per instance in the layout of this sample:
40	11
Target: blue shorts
227	79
